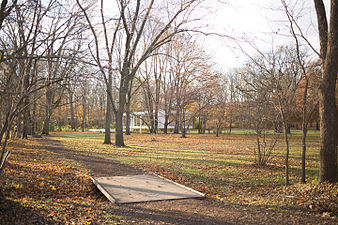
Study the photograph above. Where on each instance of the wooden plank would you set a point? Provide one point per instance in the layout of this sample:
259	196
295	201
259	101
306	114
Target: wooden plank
143	188
103	190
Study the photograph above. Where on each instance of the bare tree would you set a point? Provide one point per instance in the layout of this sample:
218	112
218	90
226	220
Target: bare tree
309	105
153	72
220	104
5	10
133	19
63	70
232	103
328	37
186	65
22	45
281	72
257	108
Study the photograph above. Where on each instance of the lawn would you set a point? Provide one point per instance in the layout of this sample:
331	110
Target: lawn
222	167
44	186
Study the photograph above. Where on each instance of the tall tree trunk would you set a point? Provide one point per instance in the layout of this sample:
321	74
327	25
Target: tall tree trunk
217	131
230	126
48	106
150	109
304	129
199	122
72	115
128	102
26	111
157	103
3	157
119	128
328	125
177	121
83	125
34	125
59	119
5	130
109	105
167	112
231	103
120	110
204	126
45	130
166	123
178	110
156	119
19	125
183	124
128	118
149	106
327	102
107	136
26	119
151	117
286	139
88	114
5	125
26	84
33	116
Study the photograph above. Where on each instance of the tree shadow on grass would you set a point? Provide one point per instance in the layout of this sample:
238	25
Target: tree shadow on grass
177	212
12	212
97	165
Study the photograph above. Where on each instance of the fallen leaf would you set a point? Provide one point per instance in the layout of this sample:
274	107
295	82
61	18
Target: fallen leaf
326	214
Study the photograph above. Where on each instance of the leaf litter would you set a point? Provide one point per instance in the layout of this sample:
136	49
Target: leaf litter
60	192
39	188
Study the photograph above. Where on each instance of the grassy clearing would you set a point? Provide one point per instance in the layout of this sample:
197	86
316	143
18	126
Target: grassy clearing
222	167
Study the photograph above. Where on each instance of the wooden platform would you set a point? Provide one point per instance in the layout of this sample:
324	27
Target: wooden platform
143	188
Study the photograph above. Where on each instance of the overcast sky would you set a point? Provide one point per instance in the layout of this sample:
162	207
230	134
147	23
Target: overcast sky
255	19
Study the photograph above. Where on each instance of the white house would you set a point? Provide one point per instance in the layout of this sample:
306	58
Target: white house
137	118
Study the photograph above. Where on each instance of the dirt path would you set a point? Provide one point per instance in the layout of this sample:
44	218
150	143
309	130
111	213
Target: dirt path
205	211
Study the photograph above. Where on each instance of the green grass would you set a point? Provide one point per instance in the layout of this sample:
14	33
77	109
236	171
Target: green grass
222	166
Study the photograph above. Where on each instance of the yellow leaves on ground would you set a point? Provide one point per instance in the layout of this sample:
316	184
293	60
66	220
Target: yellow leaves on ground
45	184
222	168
